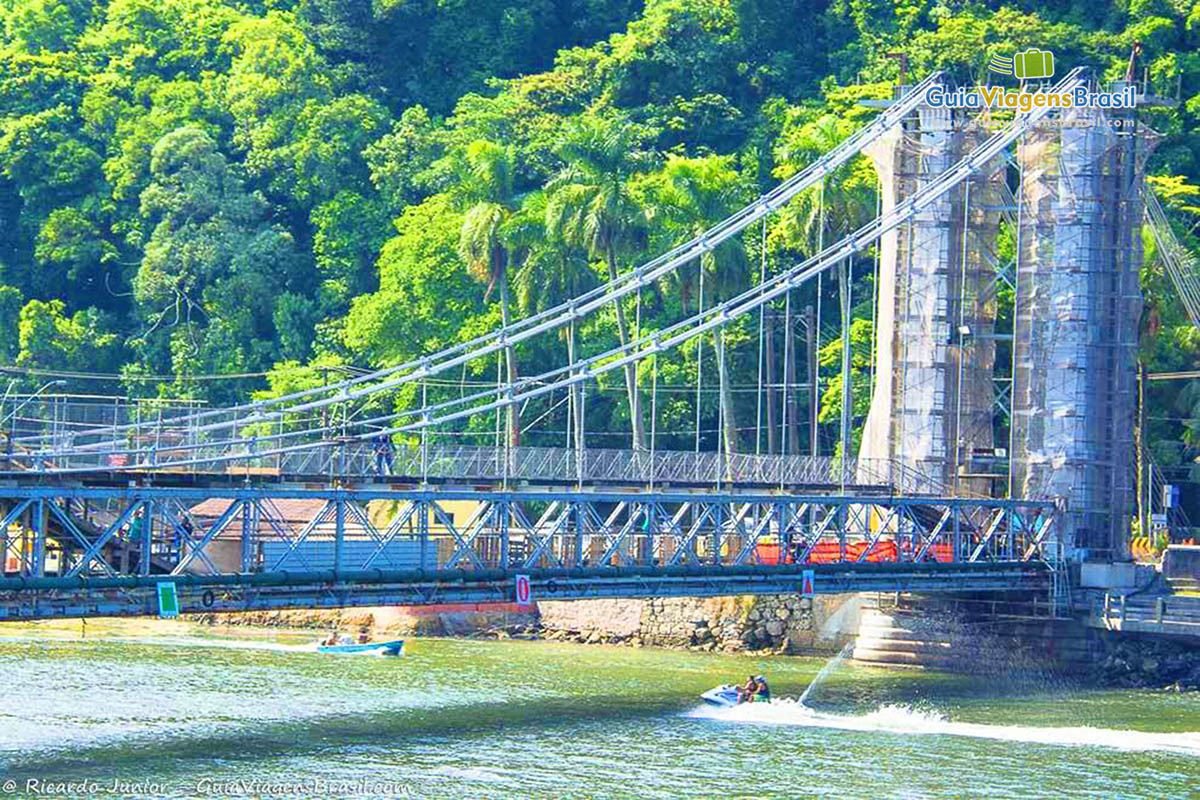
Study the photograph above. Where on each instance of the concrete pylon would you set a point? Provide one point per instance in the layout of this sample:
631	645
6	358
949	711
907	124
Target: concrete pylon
935	319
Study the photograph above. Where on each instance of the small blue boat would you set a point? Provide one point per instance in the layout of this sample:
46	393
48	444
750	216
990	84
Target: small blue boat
393	648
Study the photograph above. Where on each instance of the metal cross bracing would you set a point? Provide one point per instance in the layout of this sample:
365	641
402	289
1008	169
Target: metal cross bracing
249	548
268	429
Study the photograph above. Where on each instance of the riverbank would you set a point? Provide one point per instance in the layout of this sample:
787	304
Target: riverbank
1137	663
761	625
783	624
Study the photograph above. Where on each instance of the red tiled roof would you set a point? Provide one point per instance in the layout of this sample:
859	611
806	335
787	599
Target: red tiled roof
292	514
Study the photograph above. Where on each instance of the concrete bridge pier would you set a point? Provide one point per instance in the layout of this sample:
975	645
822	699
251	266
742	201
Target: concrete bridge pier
976	634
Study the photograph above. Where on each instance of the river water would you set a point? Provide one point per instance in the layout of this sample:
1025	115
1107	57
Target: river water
181	711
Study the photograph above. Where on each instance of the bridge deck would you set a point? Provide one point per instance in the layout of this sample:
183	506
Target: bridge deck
254	545
270	479
357	462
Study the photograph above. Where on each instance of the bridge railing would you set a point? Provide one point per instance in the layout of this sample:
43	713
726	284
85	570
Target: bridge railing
355	459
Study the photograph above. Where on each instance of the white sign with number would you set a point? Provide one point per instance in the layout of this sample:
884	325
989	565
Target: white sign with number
524	591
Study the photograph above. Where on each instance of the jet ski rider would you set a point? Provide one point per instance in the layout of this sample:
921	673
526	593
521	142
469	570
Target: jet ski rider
762	692
746	693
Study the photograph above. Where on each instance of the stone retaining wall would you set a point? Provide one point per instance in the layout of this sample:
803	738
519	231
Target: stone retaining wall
379	621
944	640
780	623
1134	662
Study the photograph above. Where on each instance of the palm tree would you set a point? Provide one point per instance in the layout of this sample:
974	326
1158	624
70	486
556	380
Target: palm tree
695	194
485	189
550	273
547	271
590	206
846	198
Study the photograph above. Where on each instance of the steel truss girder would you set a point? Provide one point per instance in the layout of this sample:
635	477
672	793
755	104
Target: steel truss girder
571	530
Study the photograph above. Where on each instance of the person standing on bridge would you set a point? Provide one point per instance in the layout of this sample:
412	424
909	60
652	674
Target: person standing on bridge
385	454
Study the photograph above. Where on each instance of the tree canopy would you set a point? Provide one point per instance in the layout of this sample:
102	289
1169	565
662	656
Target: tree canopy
280	191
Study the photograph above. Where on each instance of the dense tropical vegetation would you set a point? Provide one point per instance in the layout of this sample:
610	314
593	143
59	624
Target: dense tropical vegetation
289	189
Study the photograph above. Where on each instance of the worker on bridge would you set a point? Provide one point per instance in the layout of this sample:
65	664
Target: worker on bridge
385	454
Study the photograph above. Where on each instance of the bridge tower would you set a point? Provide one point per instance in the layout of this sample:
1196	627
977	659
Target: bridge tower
1078	307
935	331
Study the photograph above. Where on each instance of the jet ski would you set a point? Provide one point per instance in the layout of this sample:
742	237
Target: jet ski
727	694
724	696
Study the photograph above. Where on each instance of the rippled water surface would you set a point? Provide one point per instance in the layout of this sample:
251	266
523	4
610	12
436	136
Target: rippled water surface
184	711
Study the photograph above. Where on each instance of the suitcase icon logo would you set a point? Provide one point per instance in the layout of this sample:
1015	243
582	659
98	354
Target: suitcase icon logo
1029	64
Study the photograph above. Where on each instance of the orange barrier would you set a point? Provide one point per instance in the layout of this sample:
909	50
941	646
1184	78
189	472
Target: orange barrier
768	553
942	552
825	553
830	552
880	551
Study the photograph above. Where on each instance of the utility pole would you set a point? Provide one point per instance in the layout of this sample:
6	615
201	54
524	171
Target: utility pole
847	396
770	376
1139	443
810	324
792	433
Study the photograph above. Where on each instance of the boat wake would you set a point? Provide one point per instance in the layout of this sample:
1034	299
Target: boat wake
222	644
272	647
899	719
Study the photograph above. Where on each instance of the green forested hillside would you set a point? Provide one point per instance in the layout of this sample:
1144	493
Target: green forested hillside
191	188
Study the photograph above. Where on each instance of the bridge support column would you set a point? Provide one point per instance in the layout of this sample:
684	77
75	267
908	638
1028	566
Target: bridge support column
148	512
422	513
1078	304
505	516
339	534
38	550
931	406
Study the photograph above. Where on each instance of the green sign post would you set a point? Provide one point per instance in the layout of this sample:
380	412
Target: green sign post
168	600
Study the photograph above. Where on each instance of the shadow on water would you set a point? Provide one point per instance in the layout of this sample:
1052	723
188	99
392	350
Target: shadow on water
184	751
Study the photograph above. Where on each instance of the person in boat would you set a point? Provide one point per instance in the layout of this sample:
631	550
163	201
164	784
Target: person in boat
746	693
364	637
331	640
762	692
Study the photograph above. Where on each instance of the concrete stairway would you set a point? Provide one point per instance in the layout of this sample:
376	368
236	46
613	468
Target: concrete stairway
901	640
934	634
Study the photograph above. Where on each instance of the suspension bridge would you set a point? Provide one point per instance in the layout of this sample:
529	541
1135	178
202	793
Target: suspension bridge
305	500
